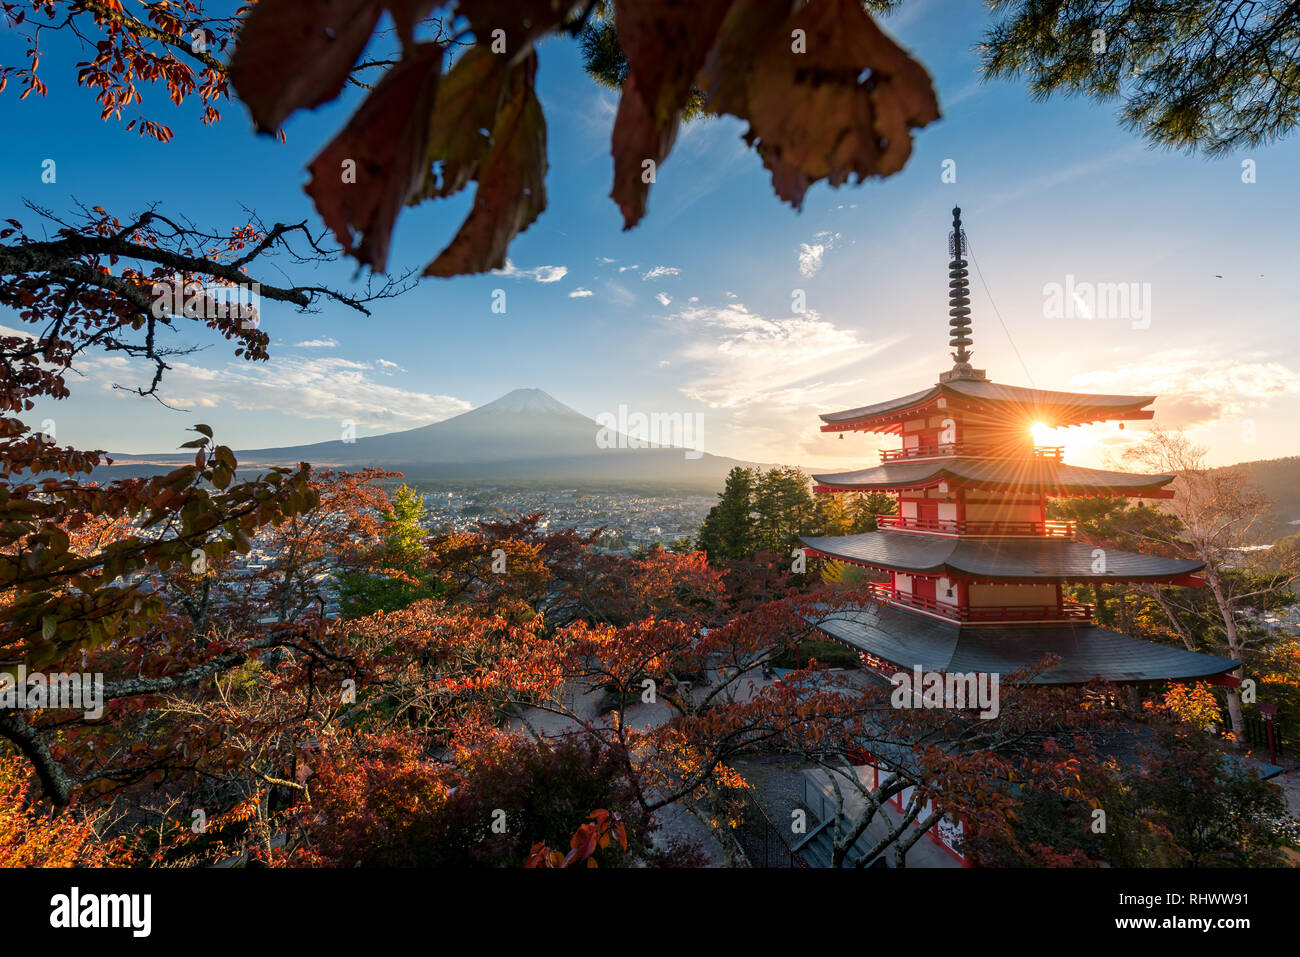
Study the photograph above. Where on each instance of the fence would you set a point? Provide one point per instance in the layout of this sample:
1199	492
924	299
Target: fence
765	844
1257	735
1285	750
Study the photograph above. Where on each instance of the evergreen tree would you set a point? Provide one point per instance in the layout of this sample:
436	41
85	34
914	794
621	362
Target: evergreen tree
681	546
785	509
832	515
727	533
865	508
396	577
1193	75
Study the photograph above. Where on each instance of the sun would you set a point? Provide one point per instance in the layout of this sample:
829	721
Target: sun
1043	434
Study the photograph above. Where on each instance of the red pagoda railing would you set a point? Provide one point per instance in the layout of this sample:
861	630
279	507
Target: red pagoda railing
925	451
943	450
945	526
1067	611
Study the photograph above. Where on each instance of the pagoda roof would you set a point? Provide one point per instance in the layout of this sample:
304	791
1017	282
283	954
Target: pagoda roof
1053	409
1086	651
1011	560
1037	475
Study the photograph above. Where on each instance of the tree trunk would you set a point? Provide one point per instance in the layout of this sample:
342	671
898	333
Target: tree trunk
1234	650
1172	616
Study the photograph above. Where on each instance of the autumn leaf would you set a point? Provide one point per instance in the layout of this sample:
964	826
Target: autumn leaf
519	22
385	145
468	100
725	73
842	104
665	45
511	190
639	146
297	54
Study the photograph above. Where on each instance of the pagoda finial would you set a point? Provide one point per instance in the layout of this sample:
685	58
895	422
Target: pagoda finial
958	296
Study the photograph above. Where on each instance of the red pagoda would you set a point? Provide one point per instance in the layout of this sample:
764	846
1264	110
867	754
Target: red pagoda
975	569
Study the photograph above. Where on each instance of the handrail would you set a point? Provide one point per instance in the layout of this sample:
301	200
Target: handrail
1066	611
945	449
1048	529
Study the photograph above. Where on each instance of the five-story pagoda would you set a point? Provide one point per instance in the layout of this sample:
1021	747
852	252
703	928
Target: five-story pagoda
975	569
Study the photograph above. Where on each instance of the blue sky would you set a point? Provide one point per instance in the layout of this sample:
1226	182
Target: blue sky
692	310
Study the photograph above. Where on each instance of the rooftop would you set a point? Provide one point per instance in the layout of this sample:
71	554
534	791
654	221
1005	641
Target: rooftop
1086	651
1002	402
1040	474
1011	560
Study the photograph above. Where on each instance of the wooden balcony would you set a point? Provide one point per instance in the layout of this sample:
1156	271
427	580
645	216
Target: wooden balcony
940	526
924	452
950	449
983	614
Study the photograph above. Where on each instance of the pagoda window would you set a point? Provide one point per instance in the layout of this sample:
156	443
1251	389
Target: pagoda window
947	591
907	509
1013	596
903	583
948	512
990	512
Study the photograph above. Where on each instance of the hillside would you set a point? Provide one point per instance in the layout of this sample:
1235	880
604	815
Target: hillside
525	438
1279	480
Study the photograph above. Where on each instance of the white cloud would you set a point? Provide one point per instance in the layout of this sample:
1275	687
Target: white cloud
626	268
619	293
810	254
743	358
537	274
316	344
309	388
1196	392
664	298
658	272
20	333
581	293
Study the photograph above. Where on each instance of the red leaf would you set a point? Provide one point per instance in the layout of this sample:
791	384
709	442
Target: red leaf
665	44
469	97
637	142
520	21
511	183
386	140
844	106
297	54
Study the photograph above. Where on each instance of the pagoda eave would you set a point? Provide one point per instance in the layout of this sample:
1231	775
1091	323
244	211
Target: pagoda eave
1038	476
893	425
1087	652
1019	561
823	489
954	574
1003	402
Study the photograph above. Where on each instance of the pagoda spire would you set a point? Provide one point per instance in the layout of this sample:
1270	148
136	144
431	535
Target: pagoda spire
959	297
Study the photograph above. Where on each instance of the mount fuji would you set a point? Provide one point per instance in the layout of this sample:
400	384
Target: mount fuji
526	437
